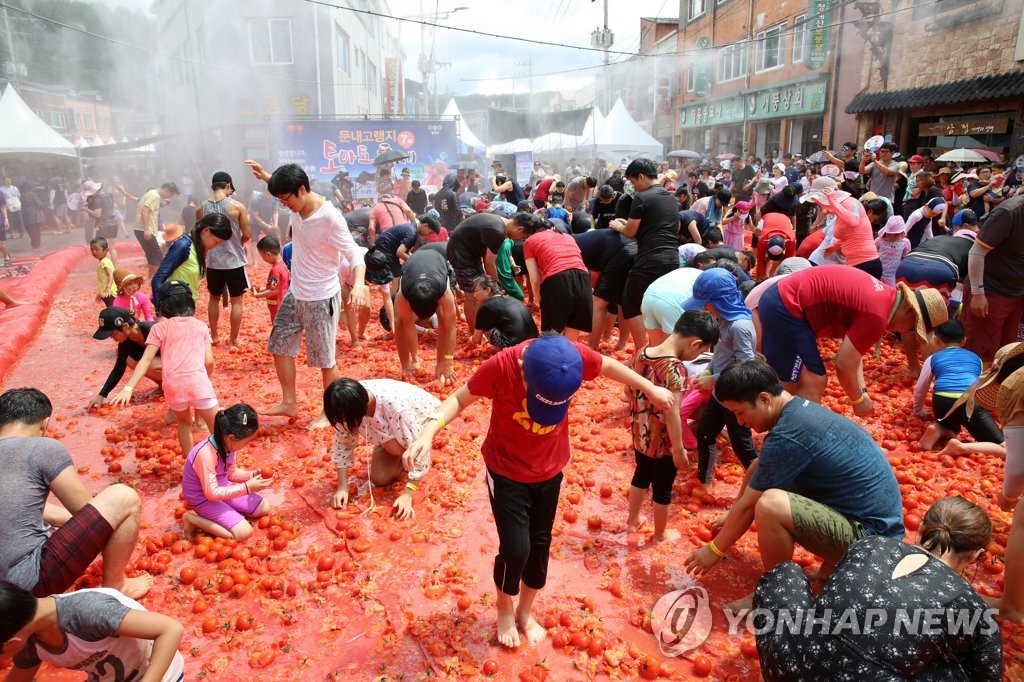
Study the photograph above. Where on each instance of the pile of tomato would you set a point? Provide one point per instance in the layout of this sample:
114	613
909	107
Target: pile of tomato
319	593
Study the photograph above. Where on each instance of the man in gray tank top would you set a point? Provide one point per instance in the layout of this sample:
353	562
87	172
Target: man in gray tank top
225	266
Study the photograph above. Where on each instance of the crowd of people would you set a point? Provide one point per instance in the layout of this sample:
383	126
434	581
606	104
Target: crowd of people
724	278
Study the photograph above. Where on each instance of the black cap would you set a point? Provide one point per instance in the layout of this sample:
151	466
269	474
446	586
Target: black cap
174	288
221	176
111	320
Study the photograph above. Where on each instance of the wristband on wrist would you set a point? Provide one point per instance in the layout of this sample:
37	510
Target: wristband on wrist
439	418
410	487
449	357
127	388
858	401
714	548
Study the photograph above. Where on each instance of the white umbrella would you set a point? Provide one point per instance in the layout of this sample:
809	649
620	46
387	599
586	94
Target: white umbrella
962	156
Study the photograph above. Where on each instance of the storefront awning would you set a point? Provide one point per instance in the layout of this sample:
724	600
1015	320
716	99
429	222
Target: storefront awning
969	90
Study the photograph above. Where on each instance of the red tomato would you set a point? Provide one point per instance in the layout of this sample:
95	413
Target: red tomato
749	648
606	490
325	562
210	624
244	621
597	646
580	640
912	521
559	640
594	523
114	468
464	603
188	576
490	667
701	666
570	516
267	472
650	668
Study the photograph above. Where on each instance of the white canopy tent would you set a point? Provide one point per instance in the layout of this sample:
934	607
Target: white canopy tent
523	144
22	132
621	136
466	136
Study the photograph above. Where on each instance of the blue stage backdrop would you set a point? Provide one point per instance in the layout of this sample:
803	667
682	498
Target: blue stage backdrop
323	148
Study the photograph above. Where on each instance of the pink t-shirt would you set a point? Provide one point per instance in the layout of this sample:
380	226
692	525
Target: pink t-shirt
554	252
137	304
182	342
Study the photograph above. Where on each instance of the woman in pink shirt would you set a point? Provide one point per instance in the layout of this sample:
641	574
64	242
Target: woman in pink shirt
853	235
558	276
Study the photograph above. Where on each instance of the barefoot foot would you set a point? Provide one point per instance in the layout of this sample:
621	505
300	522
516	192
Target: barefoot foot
670	535
531	628
281	410
320	422
136	587
508	635
633	526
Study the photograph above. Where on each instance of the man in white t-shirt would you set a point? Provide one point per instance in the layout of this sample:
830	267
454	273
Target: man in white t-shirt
320	239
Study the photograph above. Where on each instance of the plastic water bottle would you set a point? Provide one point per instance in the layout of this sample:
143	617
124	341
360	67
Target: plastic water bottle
420	469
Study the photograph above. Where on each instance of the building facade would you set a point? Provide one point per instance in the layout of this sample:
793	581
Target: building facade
969	92
236	67
75	115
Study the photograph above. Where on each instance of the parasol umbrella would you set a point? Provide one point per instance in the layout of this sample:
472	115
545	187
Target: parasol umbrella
818	157
994	157
683	154
726	156
962	155
390	156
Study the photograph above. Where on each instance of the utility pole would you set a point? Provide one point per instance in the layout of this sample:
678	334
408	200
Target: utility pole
603	38
12	67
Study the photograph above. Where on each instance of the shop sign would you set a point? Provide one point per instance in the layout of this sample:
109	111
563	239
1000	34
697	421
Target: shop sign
982	126
702	79
819	37
722	112
789	100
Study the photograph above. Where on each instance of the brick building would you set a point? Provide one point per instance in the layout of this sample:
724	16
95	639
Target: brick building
943	75
761	77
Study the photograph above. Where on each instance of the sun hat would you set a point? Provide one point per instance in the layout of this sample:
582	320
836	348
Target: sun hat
831	170
763	186
817	191
718	286
945	170
172	232
894	225
916	158
553	370
89	188
125	277
929	306
997	386
792	264
743	207
111	320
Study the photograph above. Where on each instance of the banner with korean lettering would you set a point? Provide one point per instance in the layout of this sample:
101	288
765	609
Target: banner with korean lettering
394	97
323	148
819	34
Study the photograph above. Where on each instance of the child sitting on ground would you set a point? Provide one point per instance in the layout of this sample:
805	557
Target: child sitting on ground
222	495
186	352
130	298
106	288
657	436
954	369
378	273
278	278
95	631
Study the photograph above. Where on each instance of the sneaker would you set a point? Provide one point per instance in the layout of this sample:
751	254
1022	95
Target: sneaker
385	321
8	262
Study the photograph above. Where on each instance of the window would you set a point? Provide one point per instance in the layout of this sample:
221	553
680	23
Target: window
270	41
771	45
690	76
341	44
57	119
799	38
372	76
732	62
697	8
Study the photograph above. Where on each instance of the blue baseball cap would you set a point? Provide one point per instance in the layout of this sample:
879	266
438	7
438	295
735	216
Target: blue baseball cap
718	286
553	369
776	247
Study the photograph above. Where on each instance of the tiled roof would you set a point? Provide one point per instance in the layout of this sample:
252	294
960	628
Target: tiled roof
988	87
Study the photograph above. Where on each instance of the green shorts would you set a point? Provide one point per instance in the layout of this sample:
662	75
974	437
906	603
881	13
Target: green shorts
822	530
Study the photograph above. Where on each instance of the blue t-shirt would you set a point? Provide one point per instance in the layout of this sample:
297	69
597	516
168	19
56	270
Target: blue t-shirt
825	457
954	369
286	255
390	239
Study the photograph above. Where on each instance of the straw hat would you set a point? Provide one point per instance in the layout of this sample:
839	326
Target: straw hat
172	232
929	308
125	277
998	385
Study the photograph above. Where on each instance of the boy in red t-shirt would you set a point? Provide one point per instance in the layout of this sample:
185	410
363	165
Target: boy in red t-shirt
269	249
526	448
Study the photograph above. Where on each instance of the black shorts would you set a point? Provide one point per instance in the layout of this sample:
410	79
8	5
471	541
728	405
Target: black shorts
106	230
465	274
235	279
872	267
150	248
566	300
656	473
636	285
980	424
